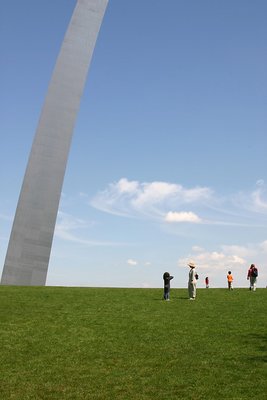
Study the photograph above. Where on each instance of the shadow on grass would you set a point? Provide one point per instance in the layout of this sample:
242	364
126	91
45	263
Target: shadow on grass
171	299
182	298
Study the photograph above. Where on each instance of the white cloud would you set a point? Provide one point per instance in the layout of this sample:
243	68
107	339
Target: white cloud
131	262
125	186
154	193
213	261
154	200
160	192
150	200
243	251
237	260
226	256
216	263
182	216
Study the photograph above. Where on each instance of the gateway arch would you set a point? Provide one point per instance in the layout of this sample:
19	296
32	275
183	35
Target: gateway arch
32	233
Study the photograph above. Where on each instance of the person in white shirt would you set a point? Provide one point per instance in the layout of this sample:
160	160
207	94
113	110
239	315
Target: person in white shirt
192	281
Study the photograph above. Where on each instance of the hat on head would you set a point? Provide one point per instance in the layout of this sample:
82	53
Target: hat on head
191	265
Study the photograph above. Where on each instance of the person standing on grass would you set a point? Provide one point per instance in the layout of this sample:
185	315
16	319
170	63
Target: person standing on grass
167	285
252	276
192	281
207	282
230	280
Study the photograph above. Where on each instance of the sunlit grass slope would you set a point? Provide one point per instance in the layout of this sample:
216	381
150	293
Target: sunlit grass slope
89	343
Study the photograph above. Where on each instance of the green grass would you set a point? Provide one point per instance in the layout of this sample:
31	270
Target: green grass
90	343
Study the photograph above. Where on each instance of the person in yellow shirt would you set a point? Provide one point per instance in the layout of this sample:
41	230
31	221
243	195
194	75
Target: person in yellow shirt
230	280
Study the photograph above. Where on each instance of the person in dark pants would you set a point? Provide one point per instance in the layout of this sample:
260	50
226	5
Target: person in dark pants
167	286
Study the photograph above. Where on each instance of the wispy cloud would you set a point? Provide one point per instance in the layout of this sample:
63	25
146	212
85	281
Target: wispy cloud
259	201
172	203
256	201
67	227
157	200
5	217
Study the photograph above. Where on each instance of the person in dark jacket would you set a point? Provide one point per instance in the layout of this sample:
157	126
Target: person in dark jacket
252	277
167	286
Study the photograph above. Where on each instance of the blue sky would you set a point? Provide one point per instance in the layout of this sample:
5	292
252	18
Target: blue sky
168	159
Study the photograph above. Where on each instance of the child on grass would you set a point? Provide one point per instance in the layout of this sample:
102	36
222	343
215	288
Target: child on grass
230	280
207	282
167	286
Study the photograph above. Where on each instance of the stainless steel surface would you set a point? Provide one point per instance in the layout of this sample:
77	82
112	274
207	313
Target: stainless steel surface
31	237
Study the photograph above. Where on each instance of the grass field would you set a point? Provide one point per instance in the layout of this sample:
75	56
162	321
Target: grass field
90	343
